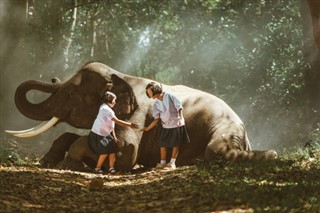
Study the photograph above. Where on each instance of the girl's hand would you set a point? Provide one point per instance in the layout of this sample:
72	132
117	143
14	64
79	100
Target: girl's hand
145	129
134	126
118	142
179	120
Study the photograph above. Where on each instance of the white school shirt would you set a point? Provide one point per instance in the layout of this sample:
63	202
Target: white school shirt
167	110
103	125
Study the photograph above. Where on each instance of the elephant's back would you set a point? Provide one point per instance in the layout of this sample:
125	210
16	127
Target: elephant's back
199	103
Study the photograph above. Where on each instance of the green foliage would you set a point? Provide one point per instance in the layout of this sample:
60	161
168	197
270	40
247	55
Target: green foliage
201	37
184	34
14	153
288	183
247	52
310	152
9	154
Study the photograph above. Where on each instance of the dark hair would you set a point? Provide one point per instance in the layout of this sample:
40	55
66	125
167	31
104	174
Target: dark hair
155	87
108	97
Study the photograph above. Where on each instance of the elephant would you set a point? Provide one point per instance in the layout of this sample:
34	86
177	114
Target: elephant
215	130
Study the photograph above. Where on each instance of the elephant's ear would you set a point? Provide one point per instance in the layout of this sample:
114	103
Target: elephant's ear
126	99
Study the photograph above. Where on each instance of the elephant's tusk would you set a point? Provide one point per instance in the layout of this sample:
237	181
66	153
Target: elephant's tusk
26	130
38	130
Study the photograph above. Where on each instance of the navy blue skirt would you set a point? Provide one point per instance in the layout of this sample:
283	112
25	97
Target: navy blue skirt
102	145
173	137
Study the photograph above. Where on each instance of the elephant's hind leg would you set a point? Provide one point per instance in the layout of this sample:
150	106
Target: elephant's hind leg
215	149
228	147
232	150
78	152
58	150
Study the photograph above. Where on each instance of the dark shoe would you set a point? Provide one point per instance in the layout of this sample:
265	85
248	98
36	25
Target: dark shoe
112	171
98	171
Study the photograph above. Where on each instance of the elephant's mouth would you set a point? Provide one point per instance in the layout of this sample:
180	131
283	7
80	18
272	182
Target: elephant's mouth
44	126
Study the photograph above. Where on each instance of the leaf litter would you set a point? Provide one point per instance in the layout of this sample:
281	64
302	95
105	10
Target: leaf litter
278	186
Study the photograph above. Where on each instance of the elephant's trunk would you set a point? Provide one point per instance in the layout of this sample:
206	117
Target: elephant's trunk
40	111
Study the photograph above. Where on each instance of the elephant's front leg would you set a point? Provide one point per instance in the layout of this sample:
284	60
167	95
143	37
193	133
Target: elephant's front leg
78	154
127	157
58	150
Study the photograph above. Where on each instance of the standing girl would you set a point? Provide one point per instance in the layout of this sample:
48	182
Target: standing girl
173	133
100	139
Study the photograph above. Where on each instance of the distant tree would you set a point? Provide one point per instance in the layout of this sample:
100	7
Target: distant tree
247	52
310	10
13	30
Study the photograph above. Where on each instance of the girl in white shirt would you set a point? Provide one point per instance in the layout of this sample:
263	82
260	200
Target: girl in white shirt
168	109
100	139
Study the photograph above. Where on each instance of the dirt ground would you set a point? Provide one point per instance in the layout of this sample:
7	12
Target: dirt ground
284	185
34	189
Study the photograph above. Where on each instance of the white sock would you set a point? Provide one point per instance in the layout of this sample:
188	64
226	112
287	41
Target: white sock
97	169
173	160
163	162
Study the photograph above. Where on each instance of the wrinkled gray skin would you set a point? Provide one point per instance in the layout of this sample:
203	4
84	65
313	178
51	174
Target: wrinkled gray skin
215	130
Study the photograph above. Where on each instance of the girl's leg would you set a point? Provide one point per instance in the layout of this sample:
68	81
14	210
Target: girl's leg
101	160
163	155
112	159
175	152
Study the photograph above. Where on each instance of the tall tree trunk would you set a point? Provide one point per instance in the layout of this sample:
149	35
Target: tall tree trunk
56	59
45	37
314	6
71	35
94	38
310	12
106	40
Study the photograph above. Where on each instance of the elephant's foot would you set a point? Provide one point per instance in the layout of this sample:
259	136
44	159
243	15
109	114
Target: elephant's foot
50	160
73	164
271	154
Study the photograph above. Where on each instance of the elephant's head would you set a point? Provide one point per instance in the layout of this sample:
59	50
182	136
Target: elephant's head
77	100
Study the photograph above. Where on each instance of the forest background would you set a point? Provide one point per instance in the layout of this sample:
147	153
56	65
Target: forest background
259	56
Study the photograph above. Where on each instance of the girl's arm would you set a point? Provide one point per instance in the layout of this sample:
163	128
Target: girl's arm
180	113
153	123
115	137
124	123
179	116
